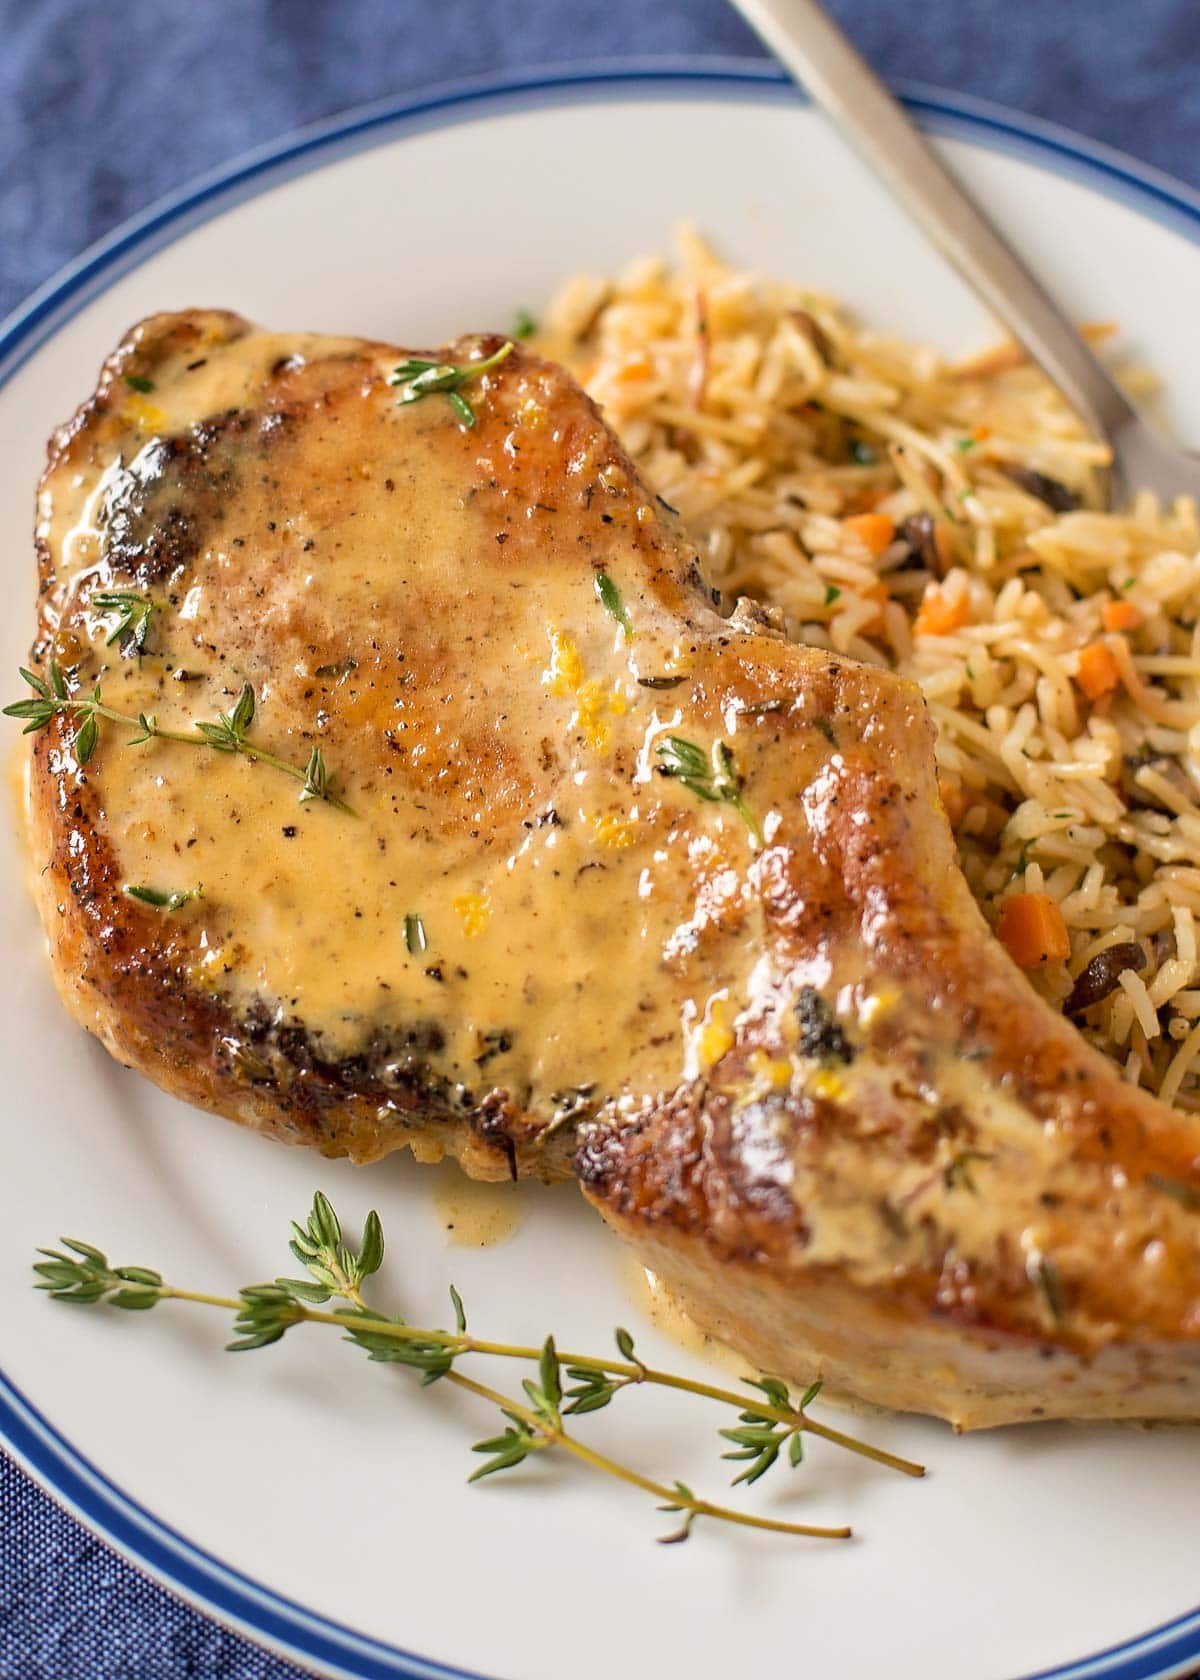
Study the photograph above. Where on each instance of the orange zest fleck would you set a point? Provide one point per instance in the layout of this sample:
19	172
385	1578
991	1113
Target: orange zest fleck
1120	615
1098	673
635	368
939	616
1032	930
874	530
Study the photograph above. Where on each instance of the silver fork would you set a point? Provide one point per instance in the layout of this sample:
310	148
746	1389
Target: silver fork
808	42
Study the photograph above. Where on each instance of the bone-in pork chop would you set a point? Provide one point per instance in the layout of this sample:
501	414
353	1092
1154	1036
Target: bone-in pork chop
518	850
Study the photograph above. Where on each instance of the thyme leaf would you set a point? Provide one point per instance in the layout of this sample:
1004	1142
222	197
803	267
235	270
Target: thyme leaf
165	900
316	778
712	778
422	378
609	597
415	937
685	1500
132	610
760	1441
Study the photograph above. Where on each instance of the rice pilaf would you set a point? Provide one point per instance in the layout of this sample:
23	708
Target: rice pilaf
943	519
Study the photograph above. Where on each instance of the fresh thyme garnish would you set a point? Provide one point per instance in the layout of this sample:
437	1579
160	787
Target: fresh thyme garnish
335	1271
422	378
228	734
660	682
415	936
137	382
132	610
524	326
714	779
165	900
609	597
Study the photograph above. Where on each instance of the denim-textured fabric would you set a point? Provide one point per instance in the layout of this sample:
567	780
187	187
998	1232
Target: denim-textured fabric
103	108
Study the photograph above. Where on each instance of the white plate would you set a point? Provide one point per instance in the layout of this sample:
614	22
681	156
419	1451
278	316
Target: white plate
320	1503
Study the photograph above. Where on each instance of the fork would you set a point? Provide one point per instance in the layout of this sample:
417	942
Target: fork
816	52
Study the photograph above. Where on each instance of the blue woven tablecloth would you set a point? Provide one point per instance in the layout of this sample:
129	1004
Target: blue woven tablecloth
105	107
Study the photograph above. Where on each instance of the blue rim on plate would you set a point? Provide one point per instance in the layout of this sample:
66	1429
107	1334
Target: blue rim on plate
204	1580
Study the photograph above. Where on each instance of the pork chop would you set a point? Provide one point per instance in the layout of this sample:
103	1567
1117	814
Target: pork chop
519	851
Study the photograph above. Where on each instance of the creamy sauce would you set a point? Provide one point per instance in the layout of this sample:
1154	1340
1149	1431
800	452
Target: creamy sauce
578	912
654	1301
472	1213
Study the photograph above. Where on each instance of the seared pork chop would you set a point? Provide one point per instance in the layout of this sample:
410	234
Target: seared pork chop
626	889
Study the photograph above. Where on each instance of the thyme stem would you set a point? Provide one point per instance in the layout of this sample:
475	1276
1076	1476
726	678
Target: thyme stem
559	1437
460	1344
335	1268
228	734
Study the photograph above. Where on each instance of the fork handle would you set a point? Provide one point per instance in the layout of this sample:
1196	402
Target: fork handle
808	42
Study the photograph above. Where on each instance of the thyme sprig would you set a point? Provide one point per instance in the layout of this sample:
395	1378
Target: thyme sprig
228	733
713	778
566	1384
421	378
132	611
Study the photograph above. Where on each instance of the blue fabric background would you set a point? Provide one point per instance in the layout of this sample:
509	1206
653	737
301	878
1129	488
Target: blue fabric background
104	107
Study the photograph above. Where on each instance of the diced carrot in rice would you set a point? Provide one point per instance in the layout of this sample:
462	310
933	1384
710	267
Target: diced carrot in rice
1032	930
941	614
1098	673
635	368
954	799
874	530
1120	615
